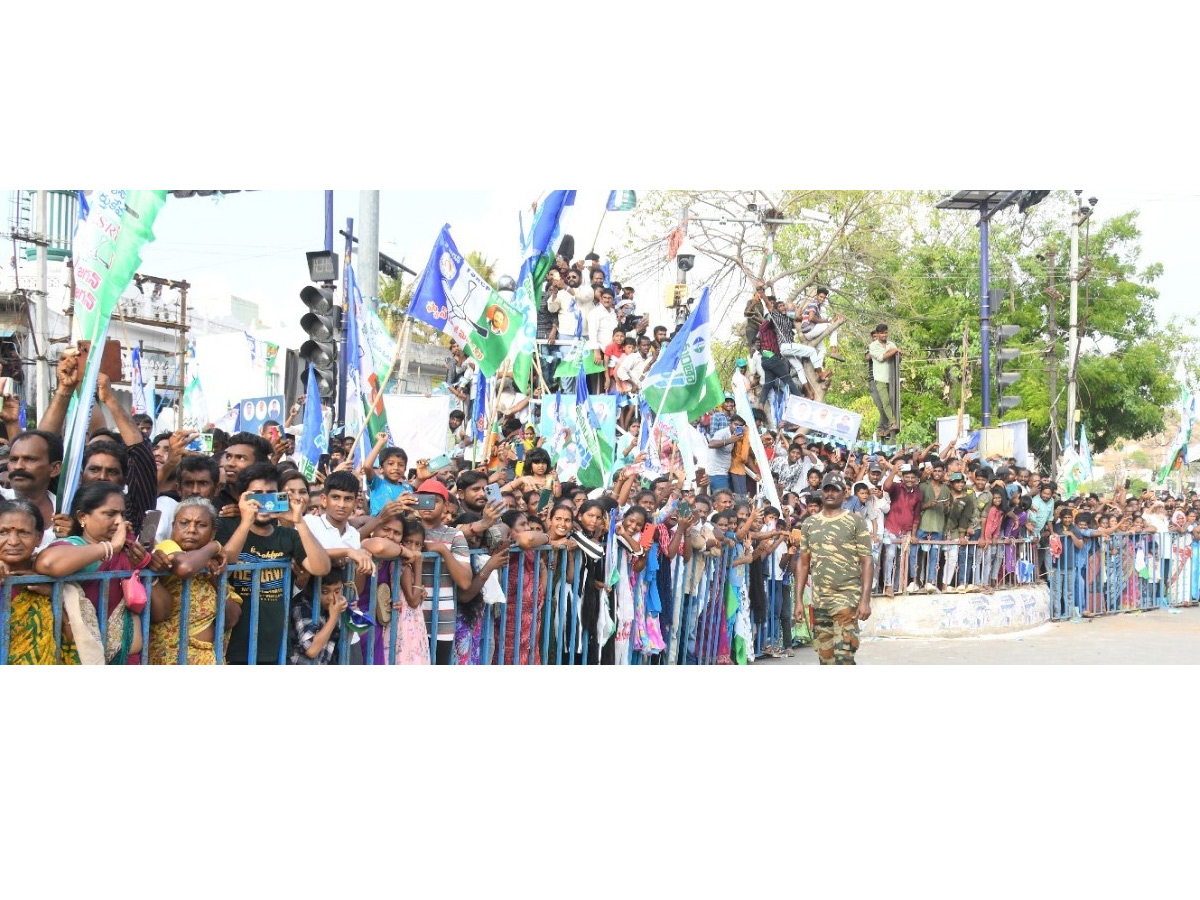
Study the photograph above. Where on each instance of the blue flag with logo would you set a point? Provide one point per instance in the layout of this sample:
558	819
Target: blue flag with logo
313	442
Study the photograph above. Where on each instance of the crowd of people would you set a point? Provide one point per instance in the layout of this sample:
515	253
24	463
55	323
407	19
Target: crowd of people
489	554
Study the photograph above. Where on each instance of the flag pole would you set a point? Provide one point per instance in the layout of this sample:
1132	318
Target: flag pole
596	236
377	395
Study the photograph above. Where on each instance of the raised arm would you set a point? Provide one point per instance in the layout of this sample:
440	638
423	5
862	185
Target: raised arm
129	432
68	381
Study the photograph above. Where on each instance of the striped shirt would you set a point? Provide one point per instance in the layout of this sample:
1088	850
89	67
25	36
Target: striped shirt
447	590
810	312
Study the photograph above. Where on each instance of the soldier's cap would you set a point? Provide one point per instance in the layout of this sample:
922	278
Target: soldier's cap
834	480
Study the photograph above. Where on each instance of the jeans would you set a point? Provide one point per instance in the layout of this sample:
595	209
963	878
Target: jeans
954	560
931	578
740	486
891	567
717	483
804	351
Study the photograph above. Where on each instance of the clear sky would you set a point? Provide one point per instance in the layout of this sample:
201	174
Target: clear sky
252	244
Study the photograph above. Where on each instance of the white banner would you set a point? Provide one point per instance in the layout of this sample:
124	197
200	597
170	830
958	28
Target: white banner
841	424
419	424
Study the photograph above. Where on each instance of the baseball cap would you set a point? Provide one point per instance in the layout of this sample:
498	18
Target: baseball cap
956	476
875	467
433	486
741	362
833	480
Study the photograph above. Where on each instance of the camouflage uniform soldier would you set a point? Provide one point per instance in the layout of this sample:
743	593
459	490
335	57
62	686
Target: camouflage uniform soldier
836	545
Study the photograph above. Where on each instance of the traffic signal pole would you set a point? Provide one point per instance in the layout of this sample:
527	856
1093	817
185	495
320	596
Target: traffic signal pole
329	221
985	316
341	393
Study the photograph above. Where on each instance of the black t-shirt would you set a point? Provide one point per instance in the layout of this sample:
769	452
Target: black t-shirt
282	544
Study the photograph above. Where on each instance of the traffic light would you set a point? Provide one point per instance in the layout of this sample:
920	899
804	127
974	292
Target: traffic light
321	323
1004	355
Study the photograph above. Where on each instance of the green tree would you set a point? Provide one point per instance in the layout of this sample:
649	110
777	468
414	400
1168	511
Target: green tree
893	257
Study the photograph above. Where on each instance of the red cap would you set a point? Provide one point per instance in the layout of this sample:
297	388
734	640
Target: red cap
433	486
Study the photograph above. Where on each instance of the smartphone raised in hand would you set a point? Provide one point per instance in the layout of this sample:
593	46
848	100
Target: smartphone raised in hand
150	523
493	494
202	444
272	501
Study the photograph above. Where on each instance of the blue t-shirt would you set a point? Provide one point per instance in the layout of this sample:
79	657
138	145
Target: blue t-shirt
383	492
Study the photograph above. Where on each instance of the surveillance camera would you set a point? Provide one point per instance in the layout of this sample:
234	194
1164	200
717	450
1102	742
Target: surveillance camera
685	261
752	207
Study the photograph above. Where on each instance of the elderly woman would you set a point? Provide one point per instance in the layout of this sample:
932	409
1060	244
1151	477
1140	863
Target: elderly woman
31	617
192	552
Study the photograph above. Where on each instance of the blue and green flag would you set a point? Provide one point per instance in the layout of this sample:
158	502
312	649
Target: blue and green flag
113	227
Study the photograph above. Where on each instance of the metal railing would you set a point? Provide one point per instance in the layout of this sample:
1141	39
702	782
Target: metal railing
955	565
109	597
534	618
1123	572
532	612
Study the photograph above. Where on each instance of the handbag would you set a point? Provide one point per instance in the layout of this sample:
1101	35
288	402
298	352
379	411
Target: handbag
134	592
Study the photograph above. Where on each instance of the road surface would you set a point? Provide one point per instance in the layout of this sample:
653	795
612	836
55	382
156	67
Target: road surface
1157	636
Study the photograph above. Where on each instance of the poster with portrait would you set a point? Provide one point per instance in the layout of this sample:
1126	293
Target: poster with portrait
253	412
841	424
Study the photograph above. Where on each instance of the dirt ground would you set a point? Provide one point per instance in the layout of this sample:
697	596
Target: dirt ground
1157	636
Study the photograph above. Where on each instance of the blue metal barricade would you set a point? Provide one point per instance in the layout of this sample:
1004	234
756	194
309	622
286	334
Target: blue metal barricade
539	620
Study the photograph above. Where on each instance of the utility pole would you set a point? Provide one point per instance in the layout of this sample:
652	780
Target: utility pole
368	247
41	227
1052	329
962	383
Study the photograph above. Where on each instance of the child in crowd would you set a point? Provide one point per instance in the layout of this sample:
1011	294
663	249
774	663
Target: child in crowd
392	463
315	642
412	638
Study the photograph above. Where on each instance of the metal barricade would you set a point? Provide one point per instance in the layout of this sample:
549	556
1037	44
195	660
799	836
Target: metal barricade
539	621
106	603
1124	572
956	565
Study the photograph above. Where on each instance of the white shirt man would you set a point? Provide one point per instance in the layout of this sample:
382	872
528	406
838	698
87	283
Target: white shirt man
602	321
570	315
634	366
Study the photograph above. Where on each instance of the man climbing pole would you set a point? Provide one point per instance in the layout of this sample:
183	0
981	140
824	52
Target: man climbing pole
883	375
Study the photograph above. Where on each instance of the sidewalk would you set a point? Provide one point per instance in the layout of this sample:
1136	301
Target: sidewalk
1143	638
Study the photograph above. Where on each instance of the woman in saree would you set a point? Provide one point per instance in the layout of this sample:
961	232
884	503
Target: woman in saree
191	552
31	616
100	542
